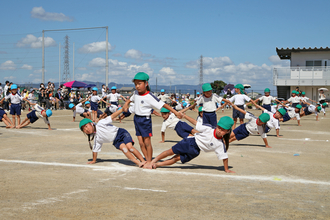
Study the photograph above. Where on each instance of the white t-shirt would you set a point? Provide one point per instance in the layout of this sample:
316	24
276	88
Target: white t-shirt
239	99
113	108
266	100
207	141
321	96
143	104
170	122
15	99
295	99
39	109
165	98
113	97
104	92
292	113
79	109
209	104
312	109
105	133
273	122
305	99
5	90
252	126
1	91
95	98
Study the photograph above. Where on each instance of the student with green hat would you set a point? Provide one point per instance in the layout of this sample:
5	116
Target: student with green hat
292	113
105	132
311	109
267	100
239	99
208	139
209	102
255	126
303	98
144	102
294	99
171	121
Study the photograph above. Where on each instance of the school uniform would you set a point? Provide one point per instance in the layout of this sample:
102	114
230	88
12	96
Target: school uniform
311	109
178	107
272	123
294	100
94	102
35	114
322	98
113	98
111	109
209	107
305	99
143	105
79	110
251	127
2	112
239	100
107	133
290	113
267	101
165	98
205	140
15	108
181	128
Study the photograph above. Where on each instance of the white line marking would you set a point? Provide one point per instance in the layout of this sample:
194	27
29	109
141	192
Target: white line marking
308	131
152	190
305	139
117	167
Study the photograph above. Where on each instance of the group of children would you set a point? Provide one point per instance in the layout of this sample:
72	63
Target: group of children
208	134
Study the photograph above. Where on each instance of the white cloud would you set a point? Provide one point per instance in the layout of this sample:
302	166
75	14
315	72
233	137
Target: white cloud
27	67
95	47
9	77
8	65
134	54
34	42
39	71
40	13
277	62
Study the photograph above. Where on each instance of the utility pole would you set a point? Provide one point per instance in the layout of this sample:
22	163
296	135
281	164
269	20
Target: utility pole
66	71
156	84
201	73
59	65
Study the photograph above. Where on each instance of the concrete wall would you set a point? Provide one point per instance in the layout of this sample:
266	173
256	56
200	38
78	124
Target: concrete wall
299	58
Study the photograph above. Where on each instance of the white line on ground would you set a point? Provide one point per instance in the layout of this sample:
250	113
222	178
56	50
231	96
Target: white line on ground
117	167
304	139
152	190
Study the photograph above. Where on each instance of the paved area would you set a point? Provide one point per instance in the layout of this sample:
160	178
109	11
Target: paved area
44	175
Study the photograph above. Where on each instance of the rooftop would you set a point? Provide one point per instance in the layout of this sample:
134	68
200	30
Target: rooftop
286	53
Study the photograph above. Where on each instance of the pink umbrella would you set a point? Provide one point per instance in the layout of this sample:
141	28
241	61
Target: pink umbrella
75	84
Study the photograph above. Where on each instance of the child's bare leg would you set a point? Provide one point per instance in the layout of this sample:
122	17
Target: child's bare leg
142	146
8	120
235	121
18	119
136	153
164	154
194	131
14	120
87	115
232	137
147	142
25	123
241	120
128	154
168	162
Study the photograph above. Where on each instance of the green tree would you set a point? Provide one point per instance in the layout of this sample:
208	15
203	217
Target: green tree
218	86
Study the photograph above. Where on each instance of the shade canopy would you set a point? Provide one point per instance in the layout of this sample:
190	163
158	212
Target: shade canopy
75	84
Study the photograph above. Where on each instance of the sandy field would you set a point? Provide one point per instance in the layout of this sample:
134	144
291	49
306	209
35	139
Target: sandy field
45	175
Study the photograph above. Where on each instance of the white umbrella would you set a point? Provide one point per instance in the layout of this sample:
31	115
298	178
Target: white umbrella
246	86
324	89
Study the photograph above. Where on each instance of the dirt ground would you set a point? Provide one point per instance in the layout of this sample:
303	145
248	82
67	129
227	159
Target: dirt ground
44	175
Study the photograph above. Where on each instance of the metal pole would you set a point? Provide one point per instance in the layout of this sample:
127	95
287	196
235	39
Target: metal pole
106	59
59	65
73	62
156	84
43	57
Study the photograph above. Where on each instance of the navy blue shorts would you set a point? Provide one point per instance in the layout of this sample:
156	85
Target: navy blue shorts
32	116
94	106
268	107
295	104
127	114
210	118
238	114
82	114
143	126
15	109
241	132
187	149
99	113
183	129
303	105
307	112
114	103
267	129
123	137
107	111
286	117
2	112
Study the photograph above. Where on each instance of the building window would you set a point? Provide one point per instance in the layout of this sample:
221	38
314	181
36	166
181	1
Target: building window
313	62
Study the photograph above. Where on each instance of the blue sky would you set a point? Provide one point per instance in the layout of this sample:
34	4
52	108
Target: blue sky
163	38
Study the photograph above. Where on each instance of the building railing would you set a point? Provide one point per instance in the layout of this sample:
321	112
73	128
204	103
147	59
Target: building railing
301	75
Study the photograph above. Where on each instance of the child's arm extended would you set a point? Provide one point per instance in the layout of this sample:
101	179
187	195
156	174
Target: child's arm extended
177	114
306	103
190	119
238	109
225	165
94	158
116	114
186	109
258	106
266	143
163	138
123	98
49	128
125	107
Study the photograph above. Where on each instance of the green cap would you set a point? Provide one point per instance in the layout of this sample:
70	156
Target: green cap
298	106
240	87
226	122
264	117
267	90
206	87
294	91
324	104
319	108
165	110
282	111
84	121
303	93
200	109
141	76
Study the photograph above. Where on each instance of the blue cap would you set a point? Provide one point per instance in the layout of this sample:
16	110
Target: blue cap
113	87
162	90
14	86
88	102
49	112
71	105
95	89
197	93
184	104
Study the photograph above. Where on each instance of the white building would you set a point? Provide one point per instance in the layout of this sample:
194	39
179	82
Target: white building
309	70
